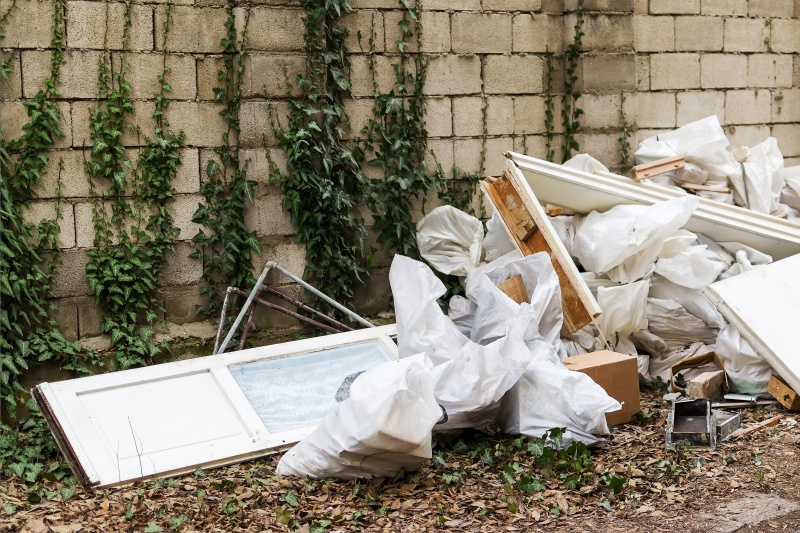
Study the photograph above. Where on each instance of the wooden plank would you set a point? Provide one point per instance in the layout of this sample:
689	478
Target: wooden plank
514	288
659	166
528	237
700	187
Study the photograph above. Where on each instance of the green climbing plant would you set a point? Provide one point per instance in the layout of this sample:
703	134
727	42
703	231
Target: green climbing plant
549	106
624	140
324	183
224	243
570	112
131	216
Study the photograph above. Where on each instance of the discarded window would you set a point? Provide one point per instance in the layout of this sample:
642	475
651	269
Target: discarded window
175	417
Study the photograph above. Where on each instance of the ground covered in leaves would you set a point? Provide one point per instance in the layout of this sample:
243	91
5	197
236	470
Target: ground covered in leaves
477	482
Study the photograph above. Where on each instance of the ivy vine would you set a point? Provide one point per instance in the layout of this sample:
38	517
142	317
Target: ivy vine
549	106
228	246
132	233
570	112
324	183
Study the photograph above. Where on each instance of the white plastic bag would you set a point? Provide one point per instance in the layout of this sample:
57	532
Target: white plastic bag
661	364
605	240
790	195
497	243
384	425
469	386
450	240
550	395
624	308
494	308
462	312
748	372
694	268
421	324
762	176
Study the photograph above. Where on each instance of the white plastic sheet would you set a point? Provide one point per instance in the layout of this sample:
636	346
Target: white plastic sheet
748	372
605	240
550	395
497	243
383	426
624	308
450	240
693	300
694	268
462	312
762	176
675	325
586	163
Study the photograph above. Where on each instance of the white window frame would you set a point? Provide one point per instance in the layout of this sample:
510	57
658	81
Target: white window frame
95	461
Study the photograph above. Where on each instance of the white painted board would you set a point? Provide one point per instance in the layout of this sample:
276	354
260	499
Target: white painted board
176	417
764	305
584	192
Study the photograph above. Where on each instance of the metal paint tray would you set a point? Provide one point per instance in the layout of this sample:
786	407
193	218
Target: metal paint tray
694	422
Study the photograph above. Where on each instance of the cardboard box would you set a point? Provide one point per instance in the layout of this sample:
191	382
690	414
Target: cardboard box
618	375
783	393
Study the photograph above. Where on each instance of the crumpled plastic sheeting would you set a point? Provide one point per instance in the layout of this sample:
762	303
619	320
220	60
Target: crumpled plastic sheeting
605	240
675	325
450	240
748	372
586	163
581	341
495	308
497	243
692	299
462	312
469	386
565	227
550	395
624	308
762	176
421	324
790	195
745	259
661	364
384	426
694	268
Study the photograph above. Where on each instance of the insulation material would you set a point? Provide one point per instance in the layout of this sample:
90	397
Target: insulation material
450	240
748	372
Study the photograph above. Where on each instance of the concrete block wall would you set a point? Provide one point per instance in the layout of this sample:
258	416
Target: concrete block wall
661	63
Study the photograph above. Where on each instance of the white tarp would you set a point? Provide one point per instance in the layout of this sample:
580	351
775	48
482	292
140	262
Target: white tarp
450	240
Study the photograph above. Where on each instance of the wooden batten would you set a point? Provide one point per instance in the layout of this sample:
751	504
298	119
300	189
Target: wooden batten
515	289
520	218
659	166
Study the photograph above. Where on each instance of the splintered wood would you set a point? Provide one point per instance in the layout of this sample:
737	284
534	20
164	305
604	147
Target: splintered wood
529	239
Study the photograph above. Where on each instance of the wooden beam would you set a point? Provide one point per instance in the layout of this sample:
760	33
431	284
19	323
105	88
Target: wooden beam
659	166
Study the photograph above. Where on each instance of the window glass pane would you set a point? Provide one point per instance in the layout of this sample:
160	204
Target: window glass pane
298	391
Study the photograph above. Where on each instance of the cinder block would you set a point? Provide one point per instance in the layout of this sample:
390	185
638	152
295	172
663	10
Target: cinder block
752	106
73	178
70	280
84	225
553	6
500	115
746	135
536	146
771	8
146	68
201	121
512	5
612	71
66	315
286	252
453	5
361	77
730	8
677	7
208	68
698	33
467	155
258	167
28	25
723	70
181	304
187	177
784	35
441	154
255	124
366	23
641	7
193	29
602	146
604	32
99	25
179	268
453	75
769	70
495	160
695	105
184	207
267	217
90	317
41	210
15	116
602	111
273	29
746	35
655	110
142	118
674	71
788	136
615	6
374	295
359	113
435	31
529	114
535	32
513	74
11	89
439	117
78	73
643	73
785	106
480	33
653	34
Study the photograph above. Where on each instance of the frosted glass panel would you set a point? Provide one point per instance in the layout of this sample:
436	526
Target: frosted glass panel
299	391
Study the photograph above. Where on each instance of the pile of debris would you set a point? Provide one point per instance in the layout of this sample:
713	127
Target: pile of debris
565	312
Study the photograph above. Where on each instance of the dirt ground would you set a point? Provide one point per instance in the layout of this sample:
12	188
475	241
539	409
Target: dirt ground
746	485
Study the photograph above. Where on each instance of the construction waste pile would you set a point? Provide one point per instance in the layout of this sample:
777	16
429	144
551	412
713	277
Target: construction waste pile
496	357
